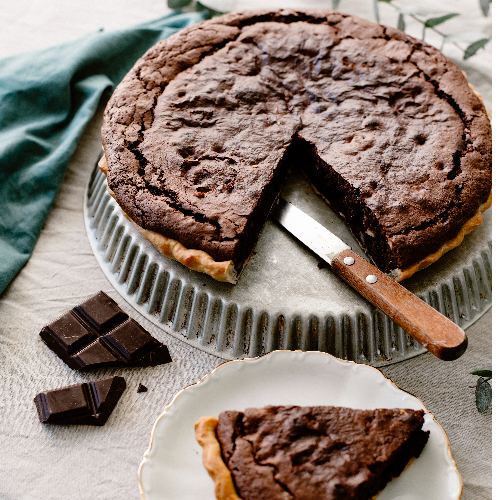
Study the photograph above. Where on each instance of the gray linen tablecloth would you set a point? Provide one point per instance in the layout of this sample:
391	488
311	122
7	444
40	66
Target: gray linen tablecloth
44	462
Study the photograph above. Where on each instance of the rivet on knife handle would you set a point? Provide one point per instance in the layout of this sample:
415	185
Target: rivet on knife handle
434	331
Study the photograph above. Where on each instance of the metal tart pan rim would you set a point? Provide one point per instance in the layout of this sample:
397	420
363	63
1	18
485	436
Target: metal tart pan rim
361	334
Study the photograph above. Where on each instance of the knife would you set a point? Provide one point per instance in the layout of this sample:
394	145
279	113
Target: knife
434	331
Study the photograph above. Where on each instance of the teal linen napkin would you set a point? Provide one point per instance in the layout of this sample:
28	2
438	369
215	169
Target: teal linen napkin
47	97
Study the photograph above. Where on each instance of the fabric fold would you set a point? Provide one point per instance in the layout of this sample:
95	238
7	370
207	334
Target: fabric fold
47	98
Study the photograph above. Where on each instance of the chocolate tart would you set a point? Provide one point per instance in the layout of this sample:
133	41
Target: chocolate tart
305	453
200	135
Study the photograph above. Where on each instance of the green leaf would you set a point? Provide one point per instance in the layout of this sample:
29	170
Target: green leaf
401	22
435	21
474	47
485	6
178	4
335	4
483	395
482	373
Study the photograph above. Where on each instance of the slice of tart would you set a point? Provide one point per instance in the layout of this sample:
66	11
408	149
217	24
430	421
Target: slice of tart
305	453
200	135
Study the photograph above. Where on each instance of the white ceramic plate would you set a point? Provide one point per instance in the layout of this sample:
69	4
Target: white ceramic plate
172	468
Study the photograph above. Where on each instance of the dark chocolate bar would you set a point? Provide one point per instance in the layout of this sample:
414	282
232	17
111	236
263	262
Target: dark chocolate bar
89	403
98	332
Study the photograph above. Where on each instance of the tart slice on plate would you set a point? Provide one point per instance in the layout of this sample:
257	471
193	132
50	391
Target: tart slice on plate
302	453
172	468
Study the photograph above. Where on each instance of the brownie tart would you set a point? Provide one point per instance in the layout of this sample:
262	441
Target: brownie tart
199	137
306	453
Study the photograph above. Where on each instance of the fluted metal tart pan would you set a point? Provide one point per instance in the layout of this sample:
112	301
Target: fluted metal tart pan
284	299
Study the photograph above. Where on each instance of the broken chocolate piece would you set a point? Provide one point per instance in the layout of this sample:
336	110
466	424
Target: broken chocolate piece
98	332
142	388
90	403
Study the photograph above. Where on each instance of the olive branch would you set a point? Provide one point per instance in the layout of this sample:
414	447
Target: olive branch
474	41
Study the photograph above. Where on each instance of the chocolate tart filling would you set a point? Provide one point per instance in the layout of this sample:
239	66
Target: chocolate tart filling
200	134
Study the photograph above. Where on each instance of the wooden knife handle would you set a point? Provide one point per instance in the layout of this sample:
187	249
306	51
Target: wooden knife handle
434	331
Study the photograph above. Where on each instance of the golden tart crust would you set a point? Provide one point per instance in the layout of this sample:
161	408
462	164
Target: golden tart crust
212	459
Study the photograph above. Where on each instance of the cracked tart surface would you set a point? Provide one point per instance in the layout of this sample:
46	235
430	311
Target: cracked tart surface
200	135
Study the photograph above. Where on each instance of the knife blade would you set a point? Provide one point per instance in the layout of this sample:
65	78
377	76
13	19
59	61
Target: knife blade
315	236
435	332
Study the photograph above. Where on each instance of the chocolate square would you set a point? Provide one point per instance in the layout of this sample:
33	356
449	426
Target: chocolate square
67	334
97	353
130	340
101	312
65	403
87	403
